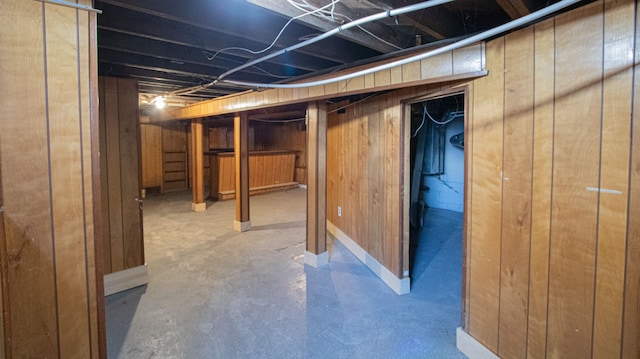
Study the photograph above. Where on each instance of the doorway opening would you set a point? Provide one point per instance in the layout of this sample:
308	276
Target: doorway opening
437	201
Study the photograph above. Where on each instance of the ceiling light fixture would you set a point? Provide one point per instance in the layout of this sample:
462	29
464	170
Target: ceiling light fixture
159	102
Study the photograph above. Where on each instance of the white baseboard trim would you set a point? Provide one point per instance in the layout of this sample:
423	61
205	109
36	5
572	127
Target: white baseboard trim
472	348
303	186
399	285
316	260
125	279
198	207
241	226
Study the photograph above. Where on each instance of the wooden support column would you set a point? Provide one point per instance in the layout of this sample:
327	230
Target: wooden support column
197	167
241	150
316	254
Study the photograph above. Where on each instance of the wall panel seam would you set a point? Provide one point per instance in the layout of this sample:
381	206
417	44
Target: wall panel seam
553	160
597	219
629	180
82	175
504	105
52	210
533	162
122	199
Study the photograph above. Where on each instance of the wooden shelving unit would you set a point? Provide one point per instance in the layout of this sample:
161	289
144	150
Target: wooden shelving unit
174	166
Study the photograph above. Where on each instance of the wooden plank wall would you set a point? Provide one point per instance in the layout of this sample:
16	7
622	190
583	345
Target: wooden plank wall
268	136
151	155
465	63
222	137
120	167
365	175
553	187
268	170
288	136
552	260
50	296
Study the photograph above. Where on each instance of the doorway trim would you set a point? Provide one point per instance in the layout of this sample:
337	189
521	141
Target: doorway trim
450	90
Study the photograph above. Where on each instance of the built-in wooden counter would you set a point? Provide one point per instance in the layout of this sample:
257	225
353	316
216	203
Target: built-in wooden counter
268	171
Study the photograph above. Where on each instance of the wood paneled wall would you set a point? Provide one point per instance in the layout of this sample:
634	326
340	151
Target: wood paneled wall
222	137
464	63
553	189
151	159
120	170
289	136
51	281
365	175
268	171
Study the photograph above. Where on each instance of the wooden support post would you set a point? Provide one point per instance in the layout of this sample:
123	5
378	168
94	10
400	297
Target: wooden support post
197	167
316	254
241	150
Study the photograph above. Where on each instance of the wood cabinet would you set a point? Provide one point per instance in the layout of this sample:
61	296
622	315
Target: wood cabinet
268	171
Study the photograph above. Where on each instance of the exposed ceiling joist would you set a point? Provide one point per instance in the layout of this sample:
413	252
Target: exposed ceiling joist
177	54
515	8
169	46
355	35
254	33
176	33
437	35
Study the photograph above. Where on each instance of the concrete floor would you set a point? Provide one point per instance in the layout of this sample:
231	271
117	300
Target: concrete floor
217	293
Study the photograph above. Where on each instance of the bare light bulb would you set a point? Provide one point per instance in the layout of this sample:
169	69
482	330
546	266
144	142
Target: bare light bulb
160	104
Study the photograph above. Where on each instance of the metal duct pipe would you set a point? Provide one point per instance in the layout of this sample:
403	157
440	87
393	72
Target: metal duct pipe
456	45
354	23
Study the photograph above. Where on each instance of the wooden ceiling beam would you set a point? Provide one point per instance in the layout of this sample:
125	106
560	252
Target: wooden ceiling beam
277	115
161	79
145	26
256	31
429	30
464	63
354	35
132	44
515	8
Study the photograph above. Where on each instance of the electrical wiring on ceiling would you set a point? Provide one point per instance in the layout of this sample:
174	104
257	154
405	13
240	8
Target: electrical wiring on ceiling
456	45
331	16
524	20
271	74
451	114
370	18
273	43
421	124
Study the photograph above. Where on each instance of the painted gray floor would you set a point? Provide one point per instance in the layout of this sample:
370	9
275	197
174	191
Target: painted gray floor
216	293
